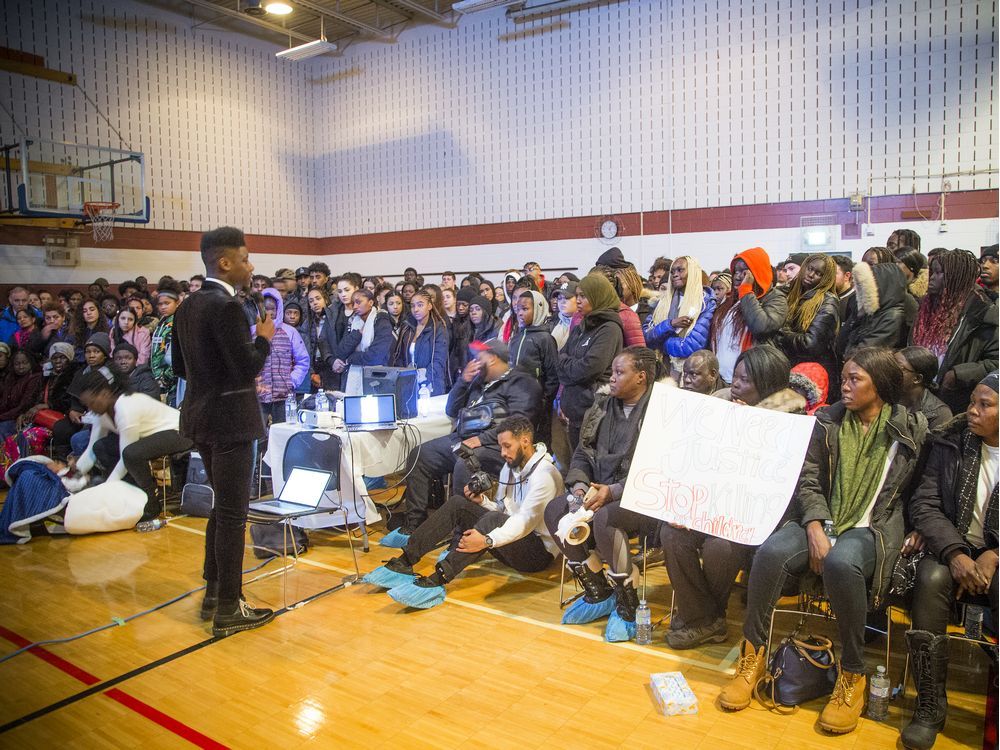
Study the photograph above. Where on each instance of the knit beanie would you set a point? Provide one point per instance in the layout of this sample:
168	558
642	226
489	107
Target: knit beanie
991	381
484	304
599	292
613	258
61	347
5	348
466	294
102	341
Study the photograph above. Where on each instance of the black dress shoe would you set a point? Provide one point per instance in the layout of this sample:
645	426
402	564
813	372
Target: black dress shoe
243	617
211	601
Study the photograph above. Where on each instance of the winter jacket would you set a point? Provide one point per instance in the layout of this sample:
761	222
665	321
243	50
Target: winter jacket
517	391
8	323
815	344
380	349
55	390
39	344
281	376
676	345
585	361
937	412
972	352
18	394
534	349
430	352
142	381
459	338
934	507
786	400
880	317
607	442
138	337
908	431
631	327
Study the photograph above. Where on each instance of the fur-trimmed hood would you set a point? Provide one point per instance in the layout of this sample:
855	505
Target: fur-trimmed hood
878	287
918	287
786	400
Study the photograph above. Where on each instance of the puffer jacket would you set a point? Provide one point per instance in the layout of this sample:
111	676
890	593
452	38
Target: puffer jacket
585	360
534	349
142	381
516	391
678	346
815	486
934	507
972	353
880	320
816	343
279	378
631	326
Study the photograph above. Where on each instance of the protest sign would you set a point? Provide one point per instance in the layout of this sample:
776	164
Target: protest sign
725	469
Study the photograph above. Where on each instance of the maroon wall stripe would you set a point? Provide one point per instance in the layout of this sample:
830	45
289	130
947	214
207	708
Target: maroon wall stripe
971	204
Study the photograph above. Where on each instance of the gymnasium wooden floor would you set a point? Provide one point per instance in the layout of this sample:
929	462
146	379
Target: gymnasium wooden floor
490	668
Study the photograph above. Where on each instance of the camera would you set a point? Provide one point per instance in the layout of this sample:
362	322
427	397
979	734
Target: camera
480	483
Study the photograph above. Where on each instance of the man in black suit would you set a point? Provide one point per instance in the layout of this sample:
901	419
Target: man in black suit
213	352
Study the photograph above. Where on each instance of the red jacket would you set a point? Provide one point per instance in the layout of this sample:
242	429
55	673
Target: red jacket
631	326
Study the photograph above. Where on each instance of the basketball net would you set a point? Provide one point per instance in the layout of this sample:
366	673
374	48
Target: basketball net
102	219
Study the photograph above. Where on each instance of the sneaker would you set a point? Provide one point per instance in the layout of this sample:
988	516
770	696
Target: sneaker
842	712
708	632
244	617
736	694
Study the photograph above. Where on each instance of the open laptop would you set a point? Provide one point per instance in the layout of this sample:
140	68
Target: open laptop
367	413
301	493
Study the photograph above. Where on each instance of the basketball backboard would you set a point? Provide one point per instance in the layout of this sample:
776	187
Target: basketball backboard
53	179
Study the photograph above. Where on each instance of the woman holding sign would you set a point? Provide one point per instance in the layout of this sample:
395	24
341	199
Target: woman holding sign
596	480
848	527
703	568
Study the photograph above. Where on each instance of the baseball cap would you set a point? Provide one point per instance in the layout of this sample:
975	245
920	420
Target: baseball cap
566	289
301	271
494	346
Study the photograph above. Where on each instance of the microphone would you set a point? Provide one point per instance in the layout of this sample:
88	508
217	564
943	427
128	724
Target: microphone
258	300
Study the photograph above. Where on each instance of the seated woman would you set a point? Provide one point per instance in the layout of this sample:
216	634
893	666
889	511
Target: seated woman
19	390
146	427
954	512
810	330
127	330
703	568
371	329
96	353
55	385
55	329
27	327
601	462
683	315
920	368
862	455
423	343
140	377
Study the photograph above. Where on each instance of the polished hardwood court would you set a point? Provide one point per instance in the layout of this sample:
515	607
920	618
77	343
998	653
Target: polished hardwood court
492	667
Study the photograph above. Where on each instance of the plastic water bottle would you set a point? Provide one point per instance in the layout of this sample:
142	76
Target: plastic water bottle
879	691
643	624
831	532
154	525
322	403
973	622
291	408
424	399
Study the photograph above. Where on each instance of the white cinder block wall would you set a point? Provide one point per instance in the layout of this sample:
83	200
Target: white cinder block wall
639	105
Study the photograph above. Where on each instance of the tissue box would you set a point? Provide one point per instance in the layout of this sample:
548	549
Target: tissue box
673	694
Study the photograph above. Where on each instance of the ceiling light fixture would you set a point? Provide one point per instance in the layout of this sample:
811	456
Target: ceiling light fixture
278	9
307	50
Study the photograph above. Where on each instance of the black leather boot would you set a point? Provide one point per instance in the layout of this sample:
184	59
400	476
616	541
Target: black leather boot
627	598
211	601
929	662
595	584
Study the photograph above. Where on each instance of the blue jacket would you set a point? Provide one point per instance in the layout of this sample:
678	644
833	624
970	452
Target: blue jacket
430	352
8	323
662	335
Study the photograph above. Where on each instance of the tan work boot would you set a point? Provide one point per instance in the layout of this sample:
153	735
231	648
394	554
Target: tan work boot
845	706
749	669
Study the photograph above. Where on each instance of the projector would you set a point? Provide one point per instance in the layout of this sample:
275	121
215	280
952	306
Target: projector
320	420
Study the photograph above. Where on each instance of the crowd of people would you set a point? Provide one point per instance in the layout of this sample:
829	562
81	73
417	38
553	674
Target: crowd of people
896	356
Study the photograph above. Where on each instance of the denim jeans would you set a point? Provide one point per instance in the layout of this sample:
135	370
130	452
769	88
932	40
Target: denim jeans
847	573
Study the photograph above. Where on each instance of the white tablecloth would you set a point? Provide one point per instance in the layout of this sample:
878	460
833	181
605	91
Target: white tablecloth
362	454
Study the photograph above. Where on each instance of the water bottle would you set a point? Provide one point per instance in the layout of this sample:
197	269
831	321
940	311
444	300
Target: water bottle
154	525
879	691
291	408
424	399
831	532
973	622
643	624
322	403
574	502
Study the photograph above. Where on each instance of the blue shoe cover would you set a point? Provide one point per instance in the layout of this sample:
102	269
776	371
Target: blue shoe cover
395	538
386	578
619	630
411	595
581	611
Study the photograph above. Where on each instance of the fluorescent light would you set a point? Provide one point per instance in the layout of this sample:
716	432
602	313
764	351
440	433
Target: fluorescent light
473	6
309	49
278	9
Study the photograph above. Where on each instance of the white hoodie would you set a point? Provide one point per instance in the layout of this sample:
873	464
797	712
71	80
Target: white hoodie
524	502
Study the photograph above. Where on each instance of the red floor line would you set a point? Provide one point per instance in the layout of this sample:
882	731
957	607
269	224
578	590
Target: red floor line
142	708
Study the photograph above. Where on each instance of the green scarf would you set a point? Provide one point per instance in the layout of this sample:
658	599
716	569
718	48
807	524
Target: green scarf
859	470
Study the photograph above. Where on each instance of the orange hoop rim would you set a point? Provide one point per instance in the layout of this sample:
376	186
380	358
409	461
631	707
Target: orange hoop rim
94	208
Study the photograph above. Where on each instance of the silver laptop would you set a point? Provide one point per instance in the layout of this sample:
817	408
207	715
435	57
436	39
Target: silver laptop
367	413
301	493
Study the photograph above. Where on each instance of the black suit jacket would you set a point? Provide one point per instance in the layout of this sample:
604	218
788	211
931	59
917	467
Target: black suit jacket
213	352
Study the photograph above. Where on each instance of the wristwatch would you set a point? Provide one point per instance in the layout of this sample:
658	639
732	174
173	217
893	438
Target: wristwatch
489	541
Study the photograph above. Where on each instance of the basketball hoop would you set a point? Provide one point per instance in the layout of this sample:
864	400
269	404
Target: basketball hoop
102	219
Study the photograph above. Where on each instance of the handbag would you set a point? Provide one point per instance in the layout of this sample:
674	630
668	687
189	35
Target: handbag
269	538
47	418
800	670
